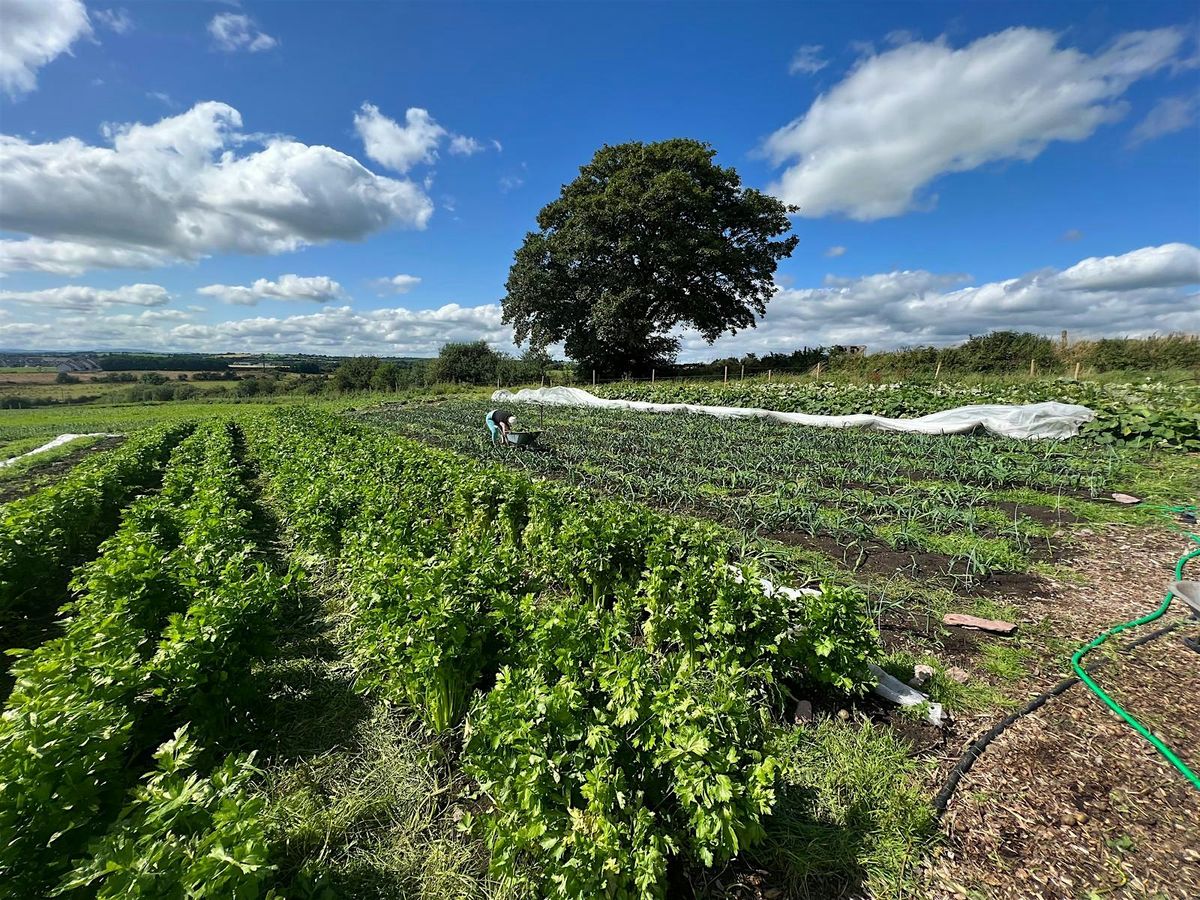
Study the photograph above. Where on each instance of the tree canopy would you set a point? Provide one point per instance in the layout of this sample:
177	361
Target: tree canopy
471	362
647	238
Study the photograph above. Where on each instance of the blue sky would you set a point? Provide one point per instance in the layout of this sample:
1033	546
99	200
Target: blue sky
188	176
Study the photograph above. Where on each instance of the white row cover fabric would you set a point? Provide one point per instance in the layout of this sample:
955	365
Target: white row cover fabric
1031	420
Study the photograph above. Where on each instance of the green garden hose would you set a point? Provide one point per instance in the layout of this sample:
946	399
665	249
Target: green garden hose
971	755
1076	664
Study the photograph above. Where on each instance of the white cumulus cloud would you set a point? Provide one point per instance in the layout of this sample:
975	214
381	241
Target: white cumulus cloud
82	297
836	251
314	288
1146	291
416	142
1170	265
397	284
183	188
34	32
903	117
234	31
397	146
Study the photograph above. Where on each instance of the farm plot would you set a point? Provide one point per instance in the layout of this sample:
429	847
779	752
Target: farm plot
616	683
1038	485
532	692
960	508
44	535
160	631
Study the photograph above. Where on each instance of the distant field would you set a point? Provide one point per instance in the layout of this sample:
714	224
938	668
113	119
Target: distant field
26	370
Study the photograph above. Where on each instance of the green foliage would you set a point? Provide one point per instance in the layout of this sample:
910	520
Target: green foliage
166	622
837	639
921	494
44	534
648	237
634	669
470	363
1173	351
355	374
182	834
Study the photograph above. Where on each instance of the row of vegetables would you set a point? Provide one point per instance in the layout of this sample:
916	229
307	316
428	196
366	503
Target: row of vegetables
44	535
943	495
613	679
154	652
1148	413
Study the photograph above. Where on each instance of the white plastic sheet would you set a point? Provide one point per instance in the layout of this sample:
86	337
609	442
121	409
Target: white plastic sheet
898	692
1031	420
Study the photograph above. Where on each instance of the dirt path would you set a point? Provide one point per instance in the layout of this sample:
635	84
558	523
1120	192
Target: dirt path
1069	802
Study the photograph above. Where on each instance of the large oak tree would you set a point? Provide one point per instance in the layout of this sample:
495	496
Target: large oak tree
647	238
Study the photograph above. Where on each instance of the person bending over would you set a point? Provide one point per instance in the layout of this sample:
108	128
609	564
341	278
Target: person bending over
502	422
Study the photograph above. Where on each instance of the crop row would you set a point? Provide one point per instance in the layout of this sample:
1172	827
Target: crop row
164	625
1151	413
747	452
43	535
790	483
613	677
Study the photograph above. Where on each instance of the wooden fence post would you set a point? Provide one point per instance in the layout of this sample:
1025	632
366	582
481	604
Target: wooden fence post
727	374
818	368
652	376
1076	371
593	377
768	374
937	375
1031	368
742	374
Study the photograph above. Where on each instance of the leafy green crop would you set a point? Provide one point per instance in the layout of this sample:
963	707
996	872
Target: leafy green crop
182	834
617	675
43	535
166	621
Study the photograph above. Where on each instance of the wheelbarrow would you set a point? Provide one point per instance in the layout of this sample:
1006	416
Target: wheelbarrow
523	438
518	438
